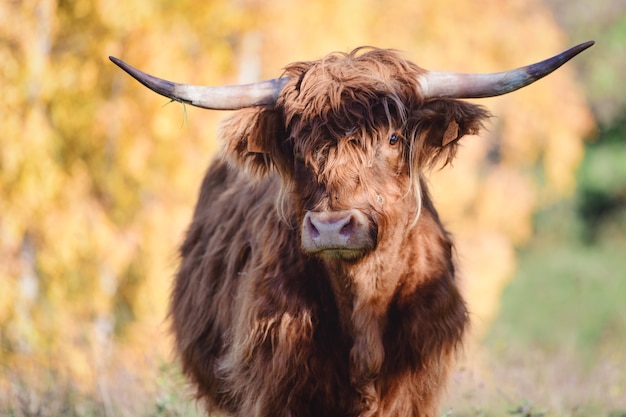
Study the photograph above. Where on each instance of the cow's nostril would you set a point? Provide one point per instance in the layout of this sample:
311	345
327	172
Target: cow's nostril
313	232
347	228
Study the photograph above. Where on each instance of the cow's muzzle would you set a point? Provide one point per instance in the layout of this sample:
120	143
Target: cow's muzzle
345	234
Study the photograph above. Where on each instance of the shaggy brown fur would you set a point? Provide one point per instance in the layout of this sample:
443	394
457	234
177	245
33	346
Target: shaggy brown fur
265	329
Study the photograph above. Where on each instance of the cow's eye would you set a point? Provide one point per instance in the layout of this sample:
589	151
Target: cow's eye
298	158
393	139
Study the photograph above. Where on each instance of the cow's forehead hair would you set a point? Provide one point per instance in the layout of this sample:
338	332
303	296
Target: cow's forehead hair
344	93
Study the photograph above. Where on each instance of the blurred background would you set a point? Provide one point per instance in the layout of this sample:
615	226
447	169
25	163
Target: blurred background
99	176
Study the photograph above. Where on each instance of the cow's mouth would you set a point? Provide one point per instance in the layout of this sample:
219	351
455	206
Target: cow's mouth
348	255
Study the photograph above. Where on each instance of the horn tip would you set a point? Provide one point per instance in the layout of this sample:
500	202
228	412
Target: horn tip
575	50
123	65
586	45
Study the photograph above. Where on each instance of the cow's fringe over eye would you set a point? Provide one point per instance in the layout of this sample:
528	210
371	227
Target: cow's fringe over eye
283	197
415	182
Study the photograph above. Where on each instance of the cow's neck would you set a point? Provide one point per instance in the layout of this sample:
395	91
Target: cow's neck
366	289
370	285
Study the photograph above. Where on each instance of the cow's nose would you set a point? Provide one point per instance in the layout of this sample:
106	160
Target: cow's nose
339	233
330	227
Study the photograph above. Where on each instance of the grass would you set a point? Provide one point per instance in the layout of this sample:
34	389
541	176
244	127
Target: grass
557	347
47	393
573	295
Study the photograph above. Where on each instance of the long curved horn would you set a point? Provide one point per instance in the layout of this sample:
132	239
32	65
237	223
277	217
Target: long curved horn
264	93
436	84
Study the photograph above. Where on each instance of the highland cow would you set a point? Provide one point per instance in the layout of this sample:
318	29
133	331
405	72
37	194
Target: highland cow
316	277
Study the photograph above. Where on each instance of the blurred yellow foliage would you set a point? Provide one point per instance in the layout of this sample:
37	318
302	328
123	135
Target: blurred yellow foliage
98	177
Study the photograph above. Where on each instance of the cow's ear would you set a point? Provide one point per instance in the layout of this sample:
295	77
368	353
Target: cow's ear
255	139
444	123
266	132
451	134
